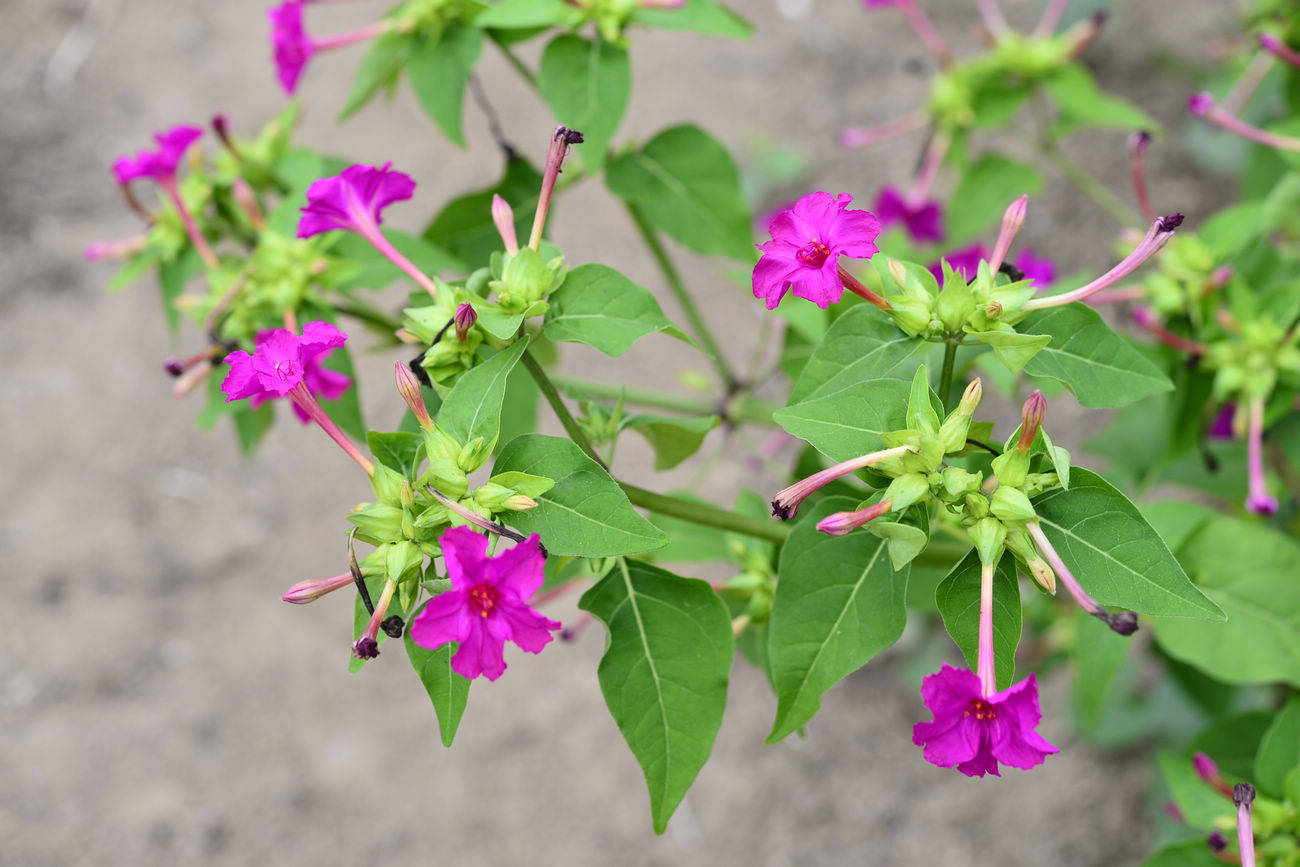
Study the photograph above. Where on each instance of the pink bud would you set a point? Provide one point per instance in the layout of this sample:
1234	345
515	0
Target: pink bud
247	200
843	523
504	218
1031	419
309	591
1205	767
1200	103
465	318
409	388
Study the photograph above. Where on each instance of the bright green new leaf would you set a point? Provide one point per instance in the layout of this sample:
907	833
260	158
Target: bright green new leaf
586	82
838	603
664	673
1253	573
586	513
439	72
448	690
848	422
598	306
1082	103
958	600
473	407
1013	348
1115	554
1098	365
687	186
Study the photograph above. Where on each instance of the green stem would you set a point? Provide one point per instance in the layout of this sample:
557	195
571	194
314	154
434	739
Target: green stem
1091	187
368	314
742	408
674	279
945	377
566	418
518	65
708	516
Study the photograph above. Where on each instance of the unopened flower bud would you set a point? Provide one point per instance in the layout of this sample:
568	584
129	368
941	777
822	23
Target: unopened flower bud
1019	543
1013	218
1216	841
409	387
465	318
993	309
246	199
309	591
976	505
907	489
1200	103
504	218
1031	419
988	534
1011	467
1011	504
952	433
843	523
898	271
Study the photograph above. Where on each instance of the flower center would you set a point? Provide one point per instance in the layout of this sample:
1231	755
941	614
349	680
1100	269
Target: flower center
483	599
814	254
981	709
285	370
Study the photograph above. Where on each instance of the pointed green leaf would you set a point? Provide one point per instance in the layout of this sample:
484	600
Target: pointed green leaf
586	514
1279	752
401	451
464	228
448	690
1115	554
1087	357
586	82
862	344
439	72
1253	573
664	672
525	14
673	439
848	422
1099	655
701	16
598	306
687	186
1013	348
1082	103
473	407
380	68
838	603
958	600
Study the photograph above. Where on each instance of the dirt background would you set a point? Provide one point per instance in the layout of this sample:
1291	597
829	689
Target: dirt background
159	704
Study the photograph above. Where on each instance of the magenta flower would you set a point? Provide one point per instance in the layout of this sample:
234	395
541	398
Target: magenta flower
807	242
1221	428
972	732
354	201
923	219
290	43
487	604
159	164
282	366
1040	270
320	380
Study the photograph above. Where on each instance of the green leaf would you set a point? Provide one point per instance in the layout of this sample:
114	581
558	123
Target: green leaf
448	690
381	66
586	514
464	227
586	82
1098	365
1115	554
848	422
1280	750
687	186
439	73
862	344
598	306
172	277
1098	659
990	184
400	451
838	603
1082	103
1188	853
958	601
524	14
673	439
1253	574
1013	348
664	672
701	16
1201	805
473	407
251	425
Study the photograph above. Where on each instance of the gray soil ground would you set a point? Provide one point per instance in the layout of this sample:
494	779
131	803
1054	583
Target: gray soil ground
159	704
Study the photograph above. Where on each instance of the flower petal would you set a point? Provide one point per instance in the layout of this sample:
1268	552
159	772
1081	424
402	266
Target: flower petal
480	653
518	570
444	618
464	551
241	381
528	629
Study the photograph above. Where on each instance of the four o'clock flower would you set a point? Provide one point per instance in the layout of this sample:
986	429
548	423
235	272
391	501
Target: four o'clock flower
807	242
975	727
354	201
1162	229
1203	105
1259	500
322	382
160	165
923	218
785	505
293	47
843	523
279	368
487	604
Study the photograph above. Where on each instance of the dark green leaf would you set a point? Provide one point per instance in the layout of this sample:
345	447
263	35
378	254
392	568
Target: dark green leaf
439	73
526	14
586	83
664	672
700	16
990	184
379	68
448	690
464	227
598	306
687	186
399	451
958	601
1098	659
1279	752
862	344
473	407
838	603
673	439
848	422
586	514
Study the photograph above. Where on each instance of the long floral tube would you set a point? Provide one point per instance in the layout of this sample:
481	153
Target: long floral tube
1162	229
1242	795
1125	622
1279	49
1259	500
865	136
985	667
306	401
785	503
1203	105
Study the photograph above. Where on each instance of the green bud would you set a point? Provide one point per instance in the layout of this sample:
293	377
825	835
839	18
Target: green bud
498	498
440	446
977	505
953	431
906	490
528	485
447	476
1011	504
377	523
911	315
955	303
475	454
1037	483
957	483
434	515
402	560
1011	468
1021	545
989	536
387	485
526	279
407	495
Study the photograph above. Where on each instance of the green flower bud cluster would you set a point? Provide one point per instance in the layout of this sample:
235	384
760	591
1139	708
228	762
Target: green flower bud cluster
447	356
970	91
1248	364
984	309
755	584
524	280
1184	283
